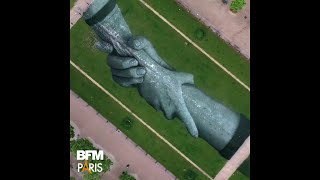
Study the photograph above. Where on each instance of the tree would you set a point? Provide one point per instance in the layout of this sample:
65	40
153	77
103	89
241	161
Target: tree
71	132
199	34
106	163
237	5
93	176
127	123
80	144
190	175
126	176
85	144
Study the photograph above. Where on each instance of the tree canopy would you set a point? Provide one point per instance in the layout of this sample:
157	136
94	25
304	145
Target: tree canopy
190	175
127	123
85	144
237	5
126	176
71	132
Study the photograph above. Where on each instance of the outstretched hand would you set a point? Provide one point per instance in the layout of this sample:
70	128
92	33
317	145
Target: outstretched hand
125	70
157	82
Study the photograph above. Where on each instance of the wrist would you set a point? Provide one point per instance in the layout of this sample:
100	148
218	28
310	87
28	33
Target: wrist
99	10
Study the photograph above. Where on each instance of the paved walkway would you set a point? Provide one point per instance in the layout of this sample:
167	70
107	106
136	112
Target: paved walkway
139	119
233	28
121	149
237	159
76	11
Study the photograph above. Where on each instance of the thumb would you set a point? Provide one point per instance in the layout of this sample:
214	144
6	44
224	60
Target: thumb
186	118
141	43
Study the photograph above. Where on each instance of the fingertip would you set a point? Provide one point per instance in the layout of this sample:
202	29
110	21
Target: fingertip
139	80
133	62
141	71
121	81
118	62
127	82
189	122
137	42
194	132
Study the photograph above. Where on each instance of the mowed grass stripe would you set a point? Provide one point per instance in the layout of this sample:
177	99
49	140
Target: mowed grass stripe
195	45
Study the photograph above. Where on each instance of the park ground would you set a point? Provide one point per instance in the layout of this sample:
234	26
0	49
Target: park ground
117	147
173	48
232	27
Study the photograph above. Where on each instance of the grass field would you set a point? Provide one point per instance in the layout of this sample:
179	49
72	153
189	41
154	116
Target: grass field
72	3
184	58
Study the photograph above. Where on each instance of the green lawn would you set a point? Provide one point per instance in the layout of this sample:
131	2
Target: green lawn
171	47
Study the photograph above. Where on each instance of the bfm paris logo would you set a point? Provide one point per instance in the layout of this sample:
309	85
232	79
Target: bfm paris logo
90	167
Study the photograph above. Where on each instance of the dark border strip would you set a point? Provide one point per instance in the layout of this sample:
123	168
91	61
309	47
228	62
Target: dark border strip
241	134
102	13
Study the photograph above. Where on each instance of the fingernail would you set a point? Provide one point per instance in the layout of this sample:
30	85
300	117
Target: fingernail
140	80
141	71
137	43
134	62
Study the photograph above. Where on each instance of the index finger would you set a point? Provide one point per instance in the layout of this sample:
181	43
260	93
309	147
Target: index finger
118	62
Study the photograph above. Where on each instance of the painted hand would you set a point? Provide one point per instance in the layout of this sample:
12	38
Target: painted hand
156	81
125	70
